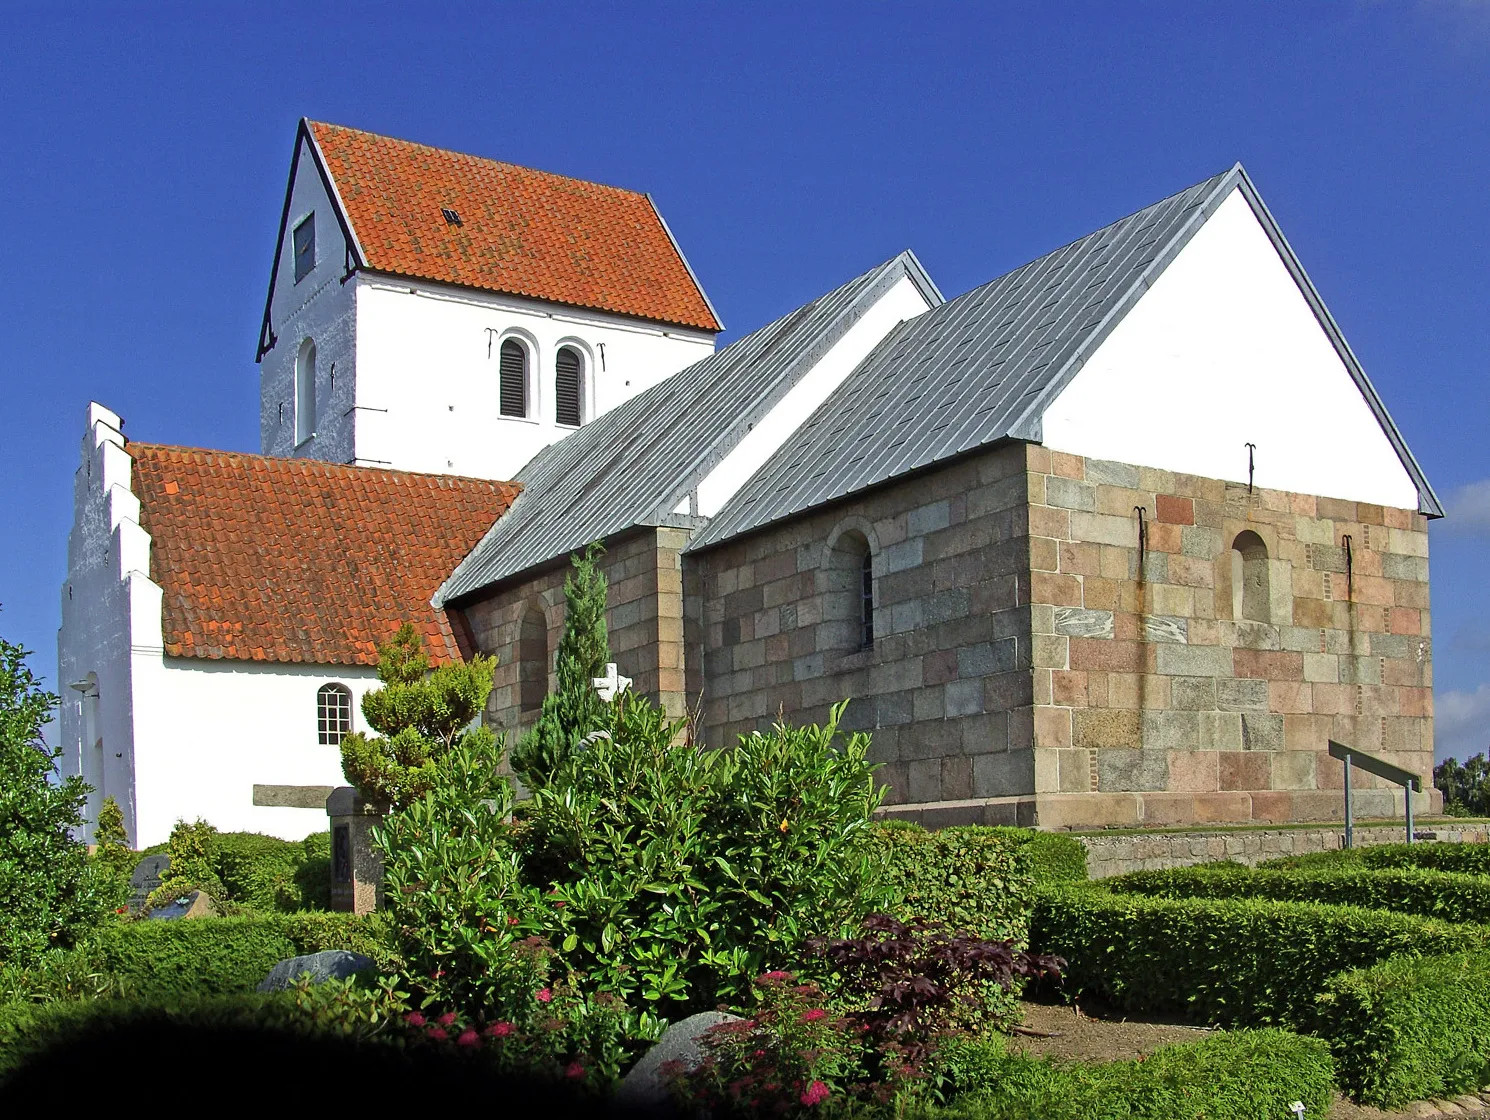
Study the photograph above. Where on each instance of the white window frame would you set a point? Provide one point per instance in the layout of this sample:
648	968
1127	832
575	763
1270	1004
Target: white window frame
324	714
534	379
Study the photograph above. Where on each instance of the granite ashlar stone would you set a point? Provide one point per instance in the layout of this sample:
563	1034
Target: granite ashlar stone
317	968
1081	622
1128	771
1160	629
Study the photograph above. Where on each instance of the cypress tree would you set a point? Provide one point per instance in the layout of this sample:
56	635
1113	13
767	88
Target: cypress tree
573	710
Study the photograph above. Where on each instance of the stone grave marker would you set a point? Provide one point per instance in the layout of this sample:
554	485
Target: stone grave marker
146	878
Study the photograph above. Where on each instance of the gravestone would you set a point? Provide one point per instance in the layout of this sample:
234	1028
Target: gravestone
333	964
356	866
644	1088
146	878
197	904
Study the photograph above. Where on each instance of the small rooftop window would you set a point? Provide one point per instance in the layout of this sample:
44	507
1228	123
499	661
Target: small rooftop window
305	248
451	217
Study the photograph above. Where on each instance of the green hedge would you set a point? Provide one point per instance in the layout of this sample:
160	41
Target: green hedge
1241	1075
248	870
148	960
1466	859
1250	962
1410	1028
973	879
1054	857
1407	890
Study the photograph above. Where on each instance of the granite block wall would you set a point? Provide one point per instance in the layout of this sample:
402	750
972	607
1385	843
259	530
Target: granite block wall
946	686
1199	675
644	614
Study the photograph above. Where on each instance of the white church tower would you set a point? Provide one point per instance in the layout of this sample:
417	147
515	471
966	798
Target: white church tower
432	311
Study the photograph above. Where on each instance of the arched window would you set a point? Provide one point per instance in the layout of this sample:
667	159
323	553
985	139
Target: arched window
569	387
305	392
532	660
848	599
333	713
1249	578
514	378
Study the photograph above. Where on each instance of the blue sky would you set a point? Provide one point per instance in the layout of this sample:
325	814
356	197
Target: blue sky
791	146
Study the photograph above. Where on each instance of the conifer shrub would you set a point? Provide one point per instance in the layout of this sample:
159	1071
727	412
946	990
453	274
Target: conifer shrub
419	714
1247	962
1446	895
574	710
50	896
671	875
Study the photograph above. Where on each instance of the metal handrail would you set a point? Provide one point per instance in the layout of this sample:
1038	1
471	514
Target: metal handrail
1411	783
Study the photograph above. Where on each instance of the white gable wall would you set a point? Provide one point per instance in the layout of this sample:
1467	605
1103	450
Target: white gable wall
427	374
1221	351
902	301
169	737
320	307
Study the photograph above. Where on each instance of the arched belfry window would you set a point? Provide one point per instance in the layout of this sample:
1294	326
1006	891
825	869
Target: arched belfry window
305	392
569	390
848	591
333	714
514	378
1250	593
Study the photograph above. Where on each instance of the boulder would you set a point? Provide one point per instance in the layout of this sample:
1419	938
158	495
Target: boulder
643	1089
333	964
197	904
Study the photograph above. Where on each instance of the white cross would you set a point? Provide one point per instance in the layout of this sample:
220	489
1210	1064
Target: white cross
612	684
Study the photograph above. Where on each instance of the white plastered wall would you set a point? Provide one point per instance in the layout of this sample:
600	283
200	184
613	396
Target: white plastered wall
320	307
427	385
903	300
171	738
1221	351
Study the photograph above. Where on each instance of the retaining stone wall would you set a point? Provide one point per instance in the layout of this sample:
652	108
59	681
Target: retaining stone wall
1118	855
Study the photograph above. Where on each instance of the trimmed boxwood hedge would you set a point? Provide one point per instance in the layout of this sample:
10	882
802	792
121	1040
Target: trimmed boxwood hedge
973	879
1410	1028
1237	1075
1466	859
1407	890
197	957
1250	962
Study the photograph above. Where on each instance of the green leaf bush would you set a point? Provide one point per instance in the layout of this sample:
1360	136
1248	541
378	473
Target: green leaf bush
971	879
1466	859
1410	1028
1447	895
1249	962
1237	1075
673	875
246	870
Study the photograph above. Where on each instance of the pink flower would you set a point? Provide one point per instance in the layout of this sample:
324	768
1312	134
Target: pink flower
815	1093
468	1037
544	995
574	1071
438	1034
446	1019
814	1015
500	1029
414	1019
777	975
437	973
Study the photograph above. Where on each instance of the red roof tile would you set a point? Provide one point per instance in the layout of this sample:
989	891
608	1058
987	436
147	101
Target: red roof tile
523	232
297	560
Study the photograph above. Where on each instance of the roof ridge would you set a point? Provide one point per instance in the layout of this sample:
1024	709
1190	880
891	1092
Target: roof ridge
350	468
473	156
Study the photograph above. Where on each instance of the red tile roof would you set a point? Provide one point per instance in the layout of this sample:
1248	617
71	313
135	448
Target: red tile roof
523	232
296	560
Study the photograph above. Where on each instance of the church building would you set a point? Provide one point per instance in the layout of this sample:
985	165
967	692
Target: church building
1122	537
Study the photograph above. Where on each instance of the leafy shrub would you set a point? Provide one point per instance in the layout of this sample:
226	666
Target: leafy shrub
790	1056
112	860
419	715
1410	1028
1466	788
49	894
1250	962
910	983
453	890
247	870
1240	1075
971	879
1340	859
1406	890
574	710
1467	859
1053	857
673	874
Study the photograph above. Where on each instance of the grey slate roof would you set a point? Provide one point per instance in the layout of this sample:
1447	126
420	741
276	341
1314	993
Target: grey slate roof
634	465
984	366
